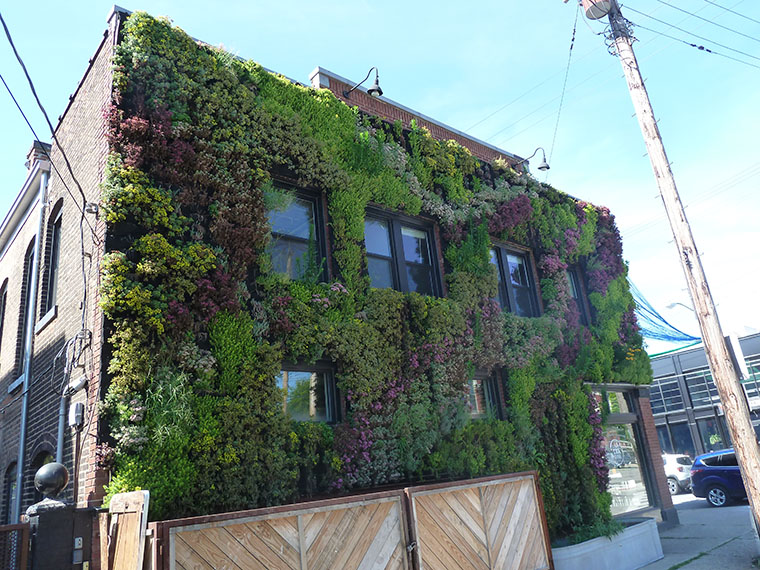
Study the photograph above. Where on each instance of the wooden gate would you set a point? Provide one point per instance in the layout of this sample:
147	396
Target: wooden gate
364	532
494	522
481	524
14	546
123	539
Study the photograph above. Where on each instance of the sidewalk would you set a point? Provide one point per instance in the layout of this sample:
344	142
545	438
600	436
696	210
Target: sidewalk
708	538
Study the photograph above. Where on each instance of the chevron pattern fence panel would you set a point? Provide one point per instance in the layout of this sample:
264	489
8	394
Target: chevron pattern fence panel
481	525
361	535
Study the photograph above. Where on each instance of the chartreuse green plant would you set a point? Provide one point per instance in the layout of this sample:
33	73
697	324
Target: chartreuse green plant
200	326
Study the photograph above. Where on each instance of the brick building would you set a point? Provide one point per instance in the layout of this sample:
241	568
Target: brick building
53	361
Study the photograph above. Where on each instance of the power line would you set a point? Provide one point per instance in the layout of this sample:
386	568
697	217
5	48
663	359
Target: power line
37	139
709	21
699	47
692	34
733	12
564	83
52	130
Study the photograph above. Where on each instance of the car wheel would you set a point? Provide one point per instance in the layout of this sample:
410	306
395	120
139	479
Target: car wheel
673	486
717	496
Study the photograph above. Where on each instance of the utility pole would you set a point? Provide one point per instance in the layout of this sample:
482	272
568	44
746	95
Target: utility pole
721	364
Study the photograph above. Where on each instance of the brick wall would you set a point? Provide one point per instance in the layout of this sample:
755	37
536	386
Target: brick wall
81	134
386	110
652	442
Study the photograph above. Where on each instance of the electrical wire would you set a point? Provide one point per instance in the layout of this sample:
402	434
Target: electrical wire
692	34
699	47
709	21
37	140
564	83
733	12
82	220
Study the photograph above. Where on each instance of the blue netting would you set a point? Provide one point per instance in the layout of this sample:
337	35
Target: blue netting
652	324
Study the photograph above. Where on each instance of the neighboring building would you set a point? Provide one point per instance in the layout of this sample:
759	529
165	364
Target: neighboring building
220	266
685	403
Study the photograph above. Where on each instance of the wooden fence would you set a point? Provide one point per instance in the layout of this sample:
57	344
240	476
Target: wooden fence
14	546
494	522
482	524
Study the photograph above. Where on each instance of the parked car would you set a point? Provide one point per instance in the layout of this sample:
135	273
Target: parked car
715	476
677	471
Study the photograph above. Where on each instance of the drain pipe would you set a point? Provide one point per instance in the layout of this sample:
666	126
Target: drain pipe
31	311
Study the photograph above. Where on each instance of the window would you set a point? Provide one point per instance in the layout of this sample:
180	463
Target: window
309	394
484	396
52	256
26	292
42	458
517	291
574	282
10	492
3	299
665	395
400	255
297	246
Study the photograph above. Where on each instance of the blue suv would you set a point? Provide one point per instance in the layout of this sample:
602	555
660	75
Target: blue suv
716	477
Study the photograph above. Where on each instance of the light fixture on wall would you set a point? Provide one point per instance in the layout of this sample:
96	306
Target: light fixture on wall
544	166
373	91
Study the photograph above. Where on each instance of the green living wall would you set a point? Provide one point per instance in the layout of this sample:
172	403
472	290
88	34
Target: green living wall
199	325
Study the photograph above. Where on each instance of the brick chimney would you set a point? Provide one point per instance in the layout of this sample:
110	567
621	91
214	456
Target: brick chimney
39	151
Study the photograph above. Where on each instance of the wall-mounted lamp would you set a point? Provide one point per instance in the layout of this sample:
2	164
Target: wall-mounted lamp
543	166
374	91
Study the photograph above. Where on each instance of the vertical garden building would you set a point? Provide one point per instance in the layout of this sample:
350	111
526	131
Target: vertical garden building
276	293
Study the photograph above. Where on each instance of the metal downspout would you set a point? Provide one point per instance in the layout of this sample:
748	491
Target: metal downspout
30	316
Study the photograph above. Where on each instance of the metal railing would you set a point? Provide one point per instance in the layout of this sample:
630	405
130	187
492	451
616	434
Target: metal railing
14	546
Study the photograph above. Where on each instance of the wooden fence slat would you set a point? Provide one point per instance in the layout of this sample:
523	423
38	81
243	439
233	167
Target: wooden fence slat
493	522
471	541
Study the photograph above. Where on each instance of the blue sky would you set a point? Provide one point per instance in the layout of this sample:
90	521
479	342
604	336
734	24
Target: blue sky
495	70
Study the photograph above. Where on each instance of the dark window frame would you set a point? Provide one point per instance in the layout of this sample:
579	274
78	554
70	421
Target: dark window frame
320	225
9	489
333	399
3	304
395	223
52	260
491	395
506	294
24	314
574	275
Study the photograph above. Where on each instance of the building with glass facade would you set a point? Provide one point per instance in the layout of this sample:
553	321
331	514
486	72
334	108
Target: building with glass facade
685	403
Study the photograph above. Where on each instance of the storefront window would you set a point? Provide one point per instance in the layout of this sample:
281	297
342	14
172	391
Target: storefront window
626	479
709	432
665	444
682	441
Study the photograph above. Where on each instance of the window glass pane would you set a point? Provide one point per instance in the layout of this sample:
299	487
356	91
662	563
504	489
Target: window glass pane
420	278
415	243
293	220
478	403
502	298
380	272
52	285
520	282
682	441
626	480
664	437
304	395
729	460
518	273
377	237
702	389
709	432
288	256
523	302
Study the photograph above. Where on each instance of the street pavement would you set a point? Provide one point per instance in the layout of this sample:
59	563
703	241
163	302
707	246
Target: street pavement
708	538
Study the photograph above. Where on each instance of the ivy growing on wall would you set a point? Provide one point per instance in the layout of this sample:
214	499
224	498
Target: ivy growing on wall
200	326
